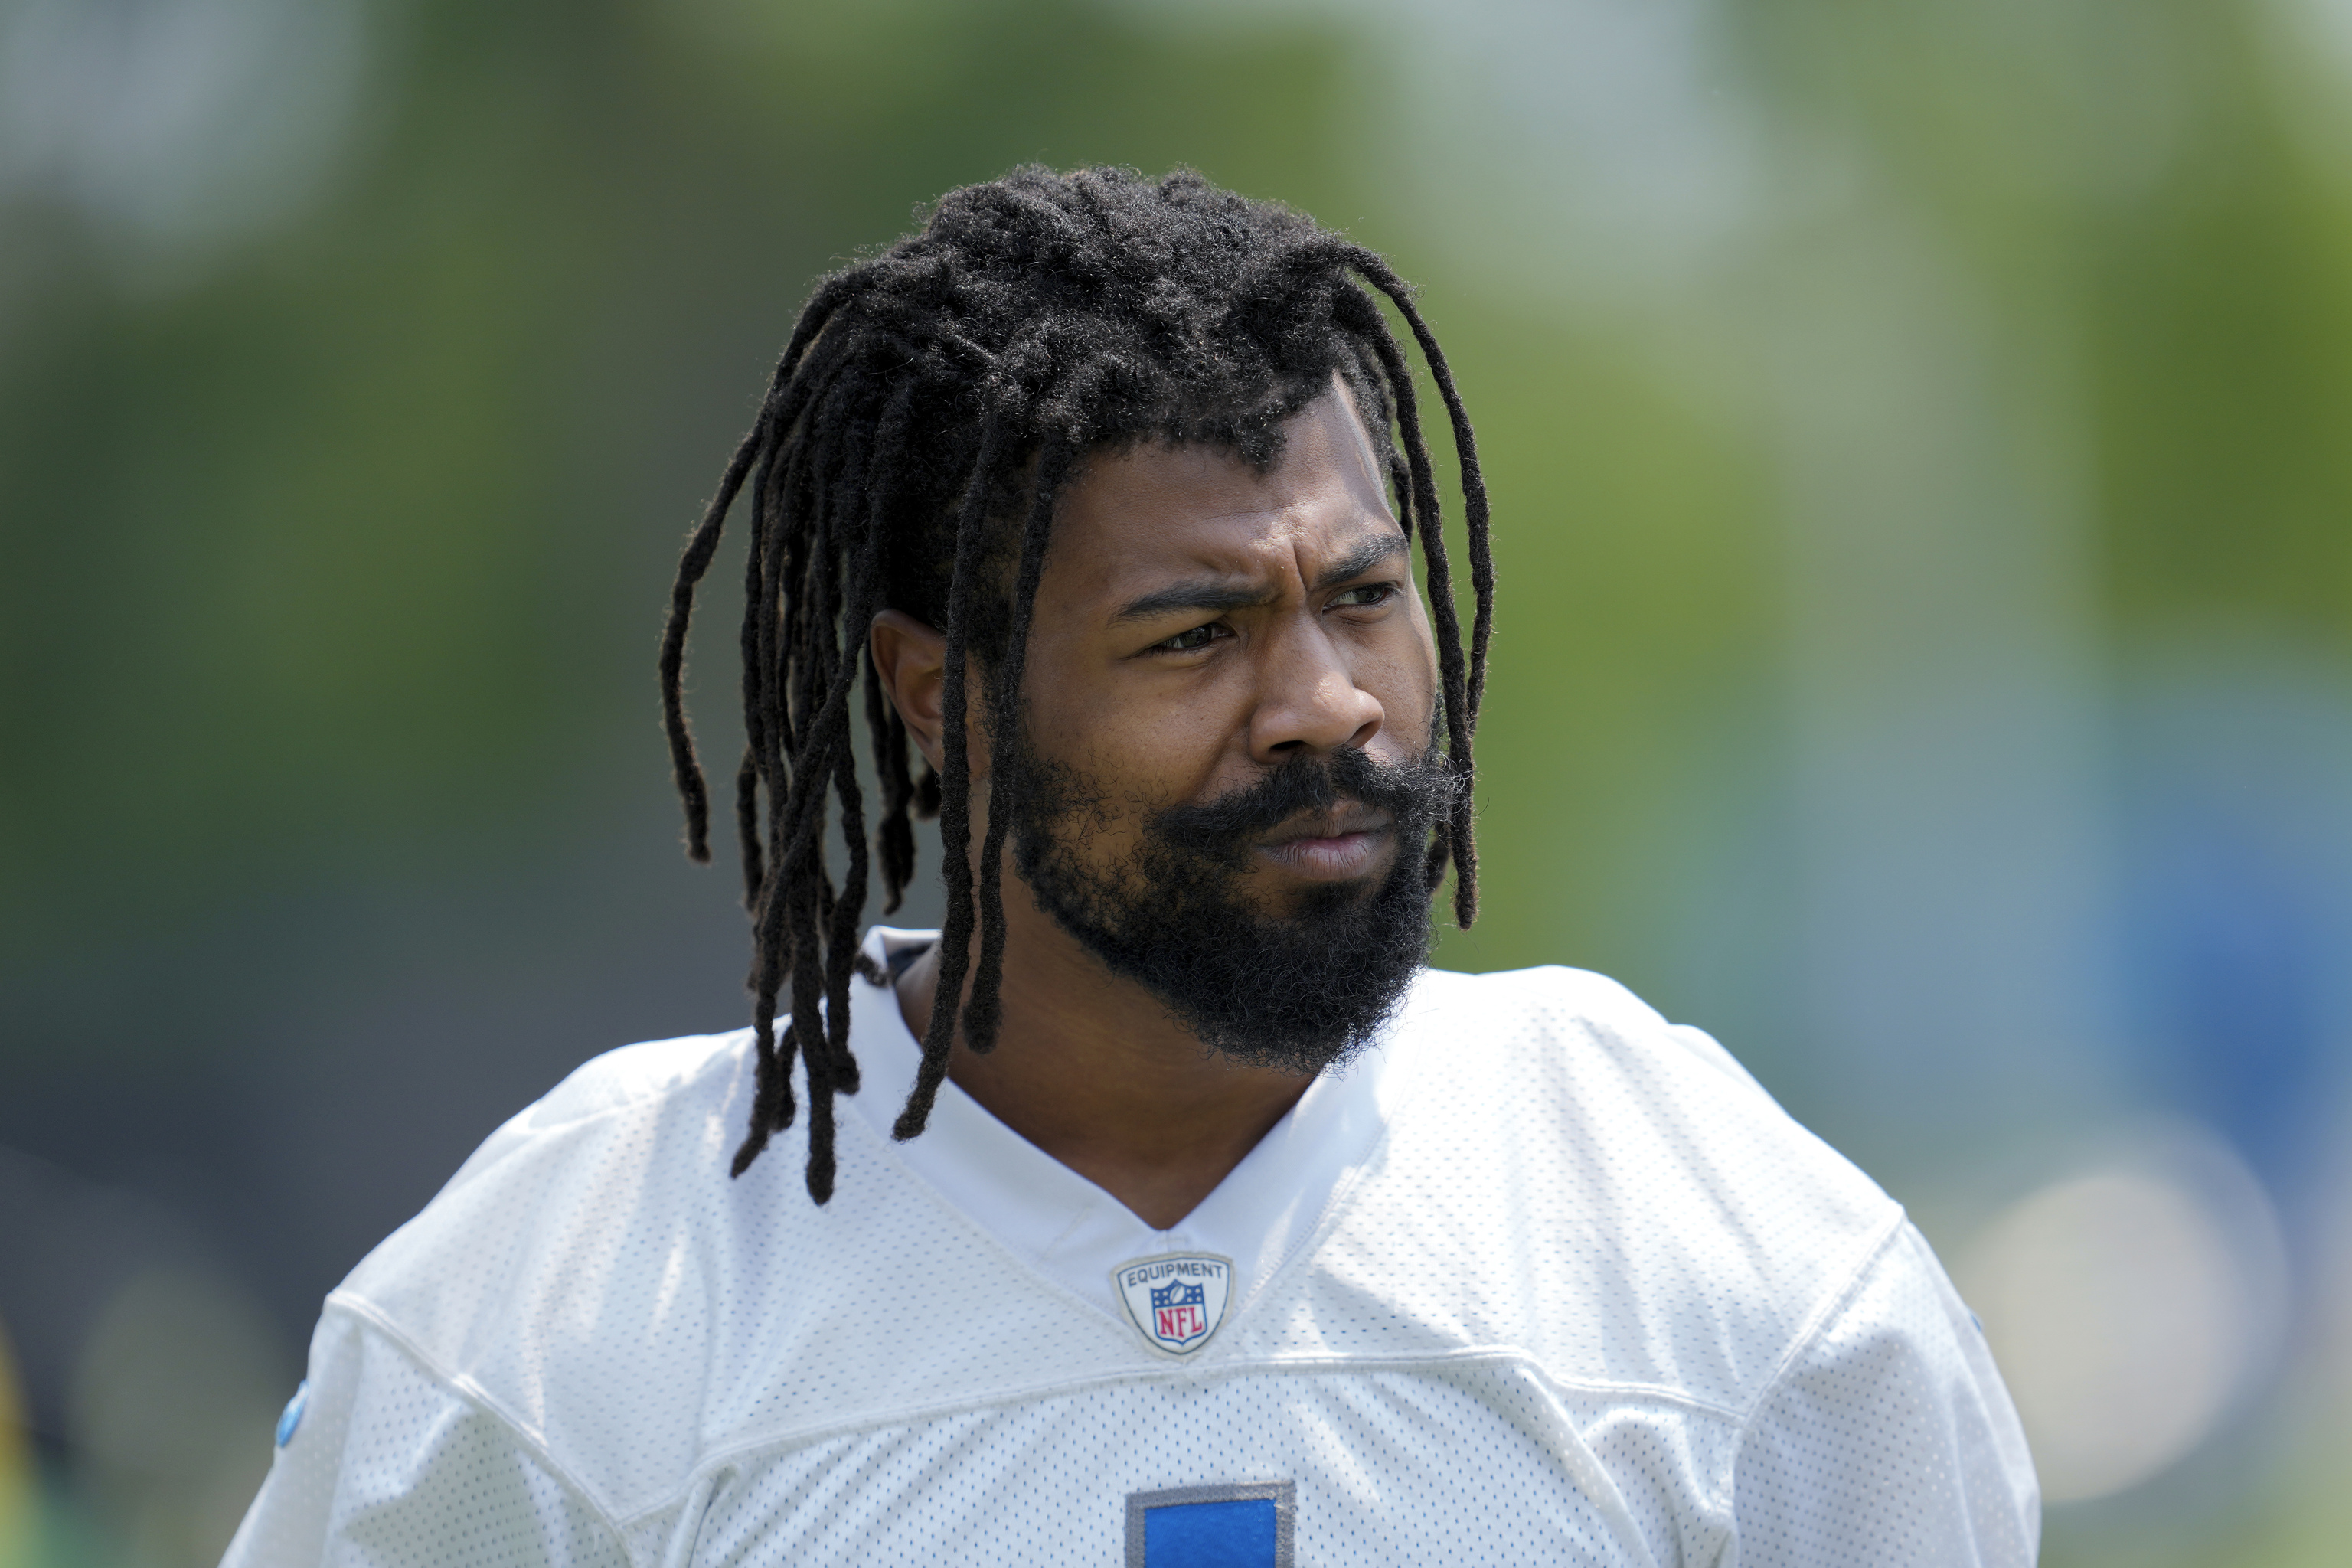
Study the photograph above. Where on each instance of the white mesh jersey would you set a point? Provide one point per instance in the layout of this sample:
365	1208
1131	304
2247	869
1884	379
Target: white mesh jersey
1543	1280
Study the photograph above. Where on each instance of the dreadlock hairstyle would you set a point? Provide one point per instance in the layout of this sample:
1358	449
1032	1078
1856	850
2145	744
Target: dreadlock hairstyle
930	405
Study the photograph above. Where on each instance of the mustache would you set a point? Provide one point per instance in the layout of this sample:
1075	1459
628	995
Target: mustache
1416	792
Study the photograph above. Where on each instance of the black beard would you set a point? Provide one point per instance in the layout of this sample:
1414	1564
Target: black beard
1296	992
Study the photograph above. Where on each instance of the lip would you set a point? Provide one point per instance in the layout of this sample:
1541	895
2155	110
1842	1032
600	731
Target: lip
1332	848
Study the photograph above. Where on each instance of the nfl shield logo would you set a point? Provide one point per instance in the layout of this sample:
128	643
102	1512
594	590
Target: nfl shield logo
1177	1298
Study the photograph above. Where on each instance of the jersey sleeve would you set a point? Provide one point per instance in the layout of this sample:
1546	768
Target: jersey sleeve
1888	1440
381	1465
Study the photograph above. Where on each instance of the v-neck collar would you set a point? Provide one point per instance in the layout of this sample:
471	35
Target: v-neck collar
1073	1231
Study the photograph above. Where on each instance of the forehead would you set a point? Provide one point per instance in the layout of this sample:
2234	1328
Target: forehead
1132	518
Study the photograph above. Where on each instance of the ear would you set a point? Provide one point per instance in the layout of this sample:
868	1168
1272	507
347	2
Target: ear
913	660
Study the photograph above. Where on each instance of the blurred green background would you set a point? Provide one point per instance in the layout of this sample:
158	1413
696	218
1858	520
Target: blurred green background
1921	438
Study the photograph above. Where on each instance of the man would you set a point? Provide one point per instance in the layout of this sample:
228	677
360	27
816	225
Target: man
1178	1215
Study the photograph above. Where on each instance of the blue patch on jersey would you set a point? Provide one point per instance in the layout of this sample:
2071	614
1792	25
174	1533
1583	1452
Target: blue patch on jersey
1210	1535
1244	1526
291	1419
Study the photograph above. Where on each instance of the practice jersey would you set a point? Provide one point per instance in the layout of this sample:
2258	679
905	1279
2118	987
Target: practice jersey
1540	1279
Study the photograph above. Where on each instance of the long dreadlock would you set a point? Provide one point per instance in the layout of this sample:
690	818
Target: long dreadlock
909	455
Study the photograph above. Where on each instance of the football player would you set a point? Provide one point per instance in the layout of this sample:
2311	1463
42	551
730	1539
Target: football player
1164	1206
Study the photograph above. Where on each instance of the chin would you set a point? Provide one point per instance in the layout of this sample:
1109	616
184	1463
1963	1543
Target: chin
1323	899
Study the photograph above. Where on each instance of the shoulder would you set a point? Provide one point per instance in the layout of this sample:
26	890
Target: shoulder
1574	1059
1611	1193
1552	1042
596	1279
636	1122
1551	1008
1888	1438
378	1459
560	1263
1545	995
640	1128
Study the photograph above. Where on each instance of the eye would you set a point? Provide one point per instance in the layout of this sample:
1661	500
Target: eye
1188	642
1363	596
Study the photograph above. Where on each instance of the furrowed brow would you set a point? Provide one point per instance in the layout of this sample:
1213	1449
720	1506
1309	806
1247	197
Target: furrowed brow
1214	595
1361	559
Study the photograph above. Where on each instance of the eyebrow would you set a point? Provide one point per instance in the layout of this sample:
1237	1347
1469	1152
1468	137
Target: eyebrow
1218	595
1363	558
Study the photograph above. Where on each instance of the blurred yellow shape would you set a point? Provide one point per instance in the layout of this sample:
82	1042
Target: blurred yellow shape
15	1464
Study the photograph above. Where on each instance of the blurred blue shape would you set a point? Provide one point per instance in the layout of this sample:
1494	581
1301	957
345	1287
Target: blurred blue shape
2238	862
290	1420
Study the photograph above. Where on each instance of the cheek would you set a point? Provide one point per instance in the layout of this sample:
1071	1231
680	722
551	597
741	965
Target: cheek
1137	752
1144	738
1401	670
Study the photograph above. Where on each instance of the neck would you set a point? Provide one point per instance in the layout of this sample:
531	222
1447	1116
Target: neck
1092	1069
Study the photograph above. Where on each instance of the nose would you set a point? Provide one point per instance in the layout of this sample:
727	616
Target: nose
1308	701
